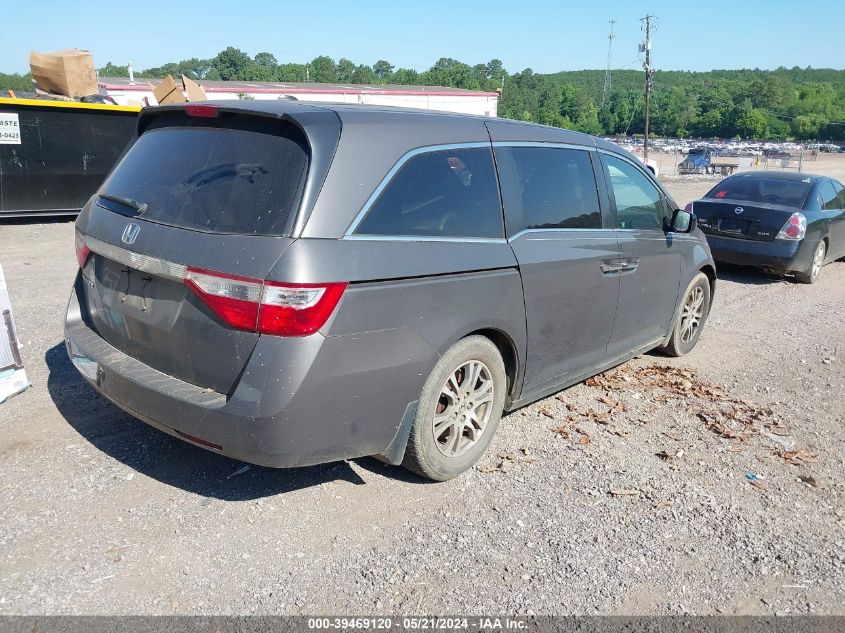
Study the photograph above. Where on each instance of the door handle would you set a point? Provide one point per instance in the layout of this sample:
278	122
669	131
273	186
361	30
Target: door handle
611	266
621	266
630	265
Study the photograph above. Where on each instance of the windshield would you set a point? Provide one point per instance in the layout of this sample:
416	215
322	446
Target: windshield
245	179
790	193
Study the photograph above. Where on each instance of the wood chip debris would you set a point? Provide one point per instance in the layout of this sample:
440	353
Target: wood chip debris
625	492
809	480
506	461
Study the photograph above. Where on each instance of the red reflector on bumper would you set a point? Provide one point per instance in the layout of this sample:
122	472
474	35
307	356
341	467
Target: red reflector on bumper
199	440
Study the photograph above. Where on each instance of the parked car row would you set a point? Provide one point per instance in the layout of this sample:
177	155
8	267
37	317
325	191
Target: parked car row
290	284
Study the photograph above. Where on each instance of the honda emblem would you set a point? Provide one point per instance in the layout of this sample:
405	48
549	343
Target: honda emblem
130	233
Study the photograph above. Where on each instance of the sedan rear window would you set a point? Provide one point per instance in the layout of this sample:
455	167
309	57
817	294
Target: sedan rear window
790	193
241	176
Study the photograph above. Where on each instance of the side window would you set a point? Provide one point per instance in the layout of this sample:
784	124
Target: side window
443	193
828	196
548	188
639	204
840	195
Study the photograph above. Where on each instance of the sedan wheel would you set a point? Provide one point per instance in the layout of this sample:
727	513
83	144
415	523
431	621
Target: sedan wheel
812	273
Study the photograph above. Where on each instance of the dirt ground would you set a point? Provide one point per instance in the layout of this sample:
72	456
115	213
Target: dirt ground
709	484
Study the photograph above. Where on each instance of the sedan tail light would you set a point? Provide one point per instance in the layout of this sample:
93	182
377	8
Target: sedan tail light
82	250
266	307
795	228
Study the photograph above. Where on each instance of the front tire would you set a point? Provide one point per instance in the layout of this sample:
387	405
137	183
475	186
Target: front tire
694	309
459	410
811	275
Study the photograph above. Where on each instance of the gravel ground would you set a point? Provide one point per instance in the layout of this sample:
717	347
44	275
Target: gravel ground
708	484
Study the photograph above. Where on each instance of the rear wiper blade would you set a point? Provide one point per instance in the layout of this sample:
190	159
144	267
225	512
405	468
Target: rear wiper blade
140	207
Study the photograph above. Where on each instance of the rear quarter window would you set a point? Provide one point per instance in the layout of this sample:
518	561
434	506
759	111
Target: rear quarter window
239	175
442	193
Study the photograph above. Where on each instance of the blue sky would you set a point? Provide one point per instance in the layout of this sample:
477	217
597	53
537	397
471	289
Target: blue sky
546	35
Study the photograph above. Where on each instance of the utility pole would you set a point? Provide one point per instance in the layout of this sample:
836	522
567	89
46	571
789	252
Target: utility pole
649	75
607	80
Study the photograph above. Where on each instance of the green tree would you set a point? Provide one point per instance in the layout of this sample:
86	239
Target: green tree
16	82
290	72
405	76
364	75
450	72
345	71
808	126
494	69
266	60
323	69
112	70
753	124
232	64
383	70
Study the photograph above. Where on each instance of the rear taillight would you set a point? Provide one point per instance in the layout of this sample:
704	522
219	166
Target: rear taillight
266	307
688	208
795	228
82	250
233	299
297	310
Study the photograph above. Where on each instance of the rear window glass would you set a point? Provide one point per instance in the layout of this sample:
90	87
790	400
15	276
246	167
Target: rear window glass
243	176
445	193
768	190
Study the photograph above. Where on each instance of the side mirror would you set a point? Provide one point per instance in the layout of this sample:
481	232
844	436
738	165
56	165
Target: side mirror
682	221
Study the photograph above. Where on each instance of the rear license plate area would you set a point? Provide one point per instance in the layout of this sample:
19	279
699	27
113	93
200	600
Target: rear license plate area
732	226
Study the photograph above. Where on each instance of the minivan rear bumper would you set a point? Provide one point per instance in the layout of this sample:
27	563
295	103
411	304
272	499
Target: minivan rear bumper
777	255
299	401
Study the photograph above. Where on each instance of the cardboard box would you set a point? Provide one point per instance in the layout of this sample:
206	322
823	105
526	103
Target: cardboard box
194	91
168	91
69	72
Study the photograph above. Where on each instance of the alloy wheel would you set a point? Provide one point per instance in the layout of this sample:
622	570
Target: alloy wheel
692	314
463	408
818	259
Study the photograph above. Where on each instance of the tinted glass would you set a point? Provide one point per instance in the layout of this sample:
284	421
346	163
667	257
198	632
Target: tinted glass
828	196
446	193
244	179
768	190
551	188
639	204
840	195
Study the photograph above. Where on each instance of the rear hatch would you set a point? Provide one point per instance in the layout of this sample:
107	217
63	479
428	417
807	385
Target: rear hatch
751	208
216	192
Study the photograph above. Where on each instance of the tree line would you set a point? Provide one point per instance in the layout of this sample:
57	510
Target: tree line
796	103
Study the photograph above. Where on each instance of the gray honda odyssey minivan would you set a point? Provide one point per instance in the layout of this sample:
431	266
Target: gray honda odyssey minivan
290	284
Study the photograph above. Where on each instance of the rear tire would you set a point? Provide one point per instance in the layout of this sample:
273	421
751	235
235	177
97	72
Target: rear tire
459	410
693	312
811	275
